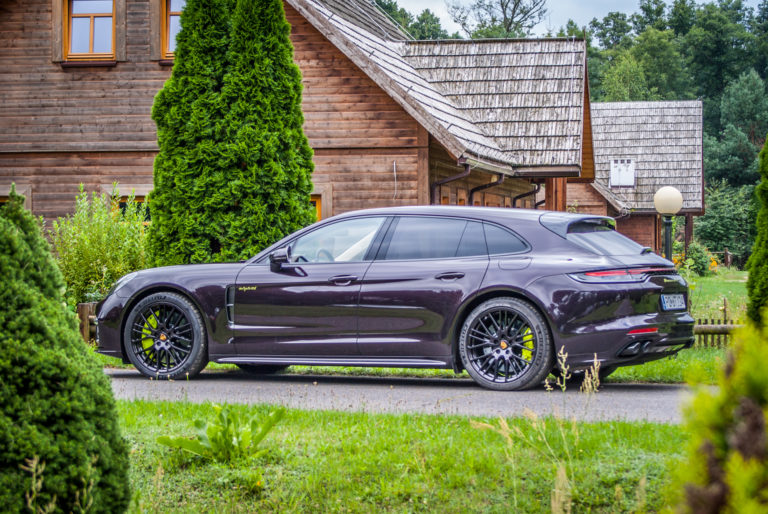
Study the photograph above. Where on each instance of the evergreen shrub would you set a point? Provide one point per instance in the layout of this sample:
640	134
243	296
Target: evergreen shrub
233	172
727	462
56	404
757	283
98	244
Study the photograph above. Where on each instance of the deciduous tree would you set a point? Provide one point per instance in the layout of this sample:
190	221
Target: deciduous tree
497	18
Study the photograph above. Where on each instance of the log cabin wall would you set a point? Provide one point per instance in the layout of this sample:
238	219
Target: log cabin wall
442	165
65	126
60	127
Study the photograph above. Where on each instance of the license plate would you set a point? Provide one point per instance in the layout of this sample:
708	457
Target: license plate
673	302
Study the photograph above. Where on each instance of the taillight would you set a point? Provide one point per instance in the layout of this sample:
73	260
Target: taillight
613	276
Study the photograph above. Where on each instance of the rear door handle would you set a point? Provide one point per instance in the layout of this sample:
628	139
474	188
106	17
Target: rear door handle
342	280
450	275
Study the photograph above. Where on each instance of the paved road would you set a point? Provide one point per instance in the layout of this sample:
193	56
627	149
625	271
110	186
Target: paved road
632	402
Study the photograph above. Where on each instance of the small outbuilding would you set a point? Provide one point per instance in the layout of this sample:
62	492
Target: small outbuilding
640	147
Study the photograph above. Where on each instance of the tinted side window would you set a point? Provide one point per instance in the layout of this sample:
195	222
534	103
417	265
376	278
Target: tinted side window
502	241
344	241
434	238
472	241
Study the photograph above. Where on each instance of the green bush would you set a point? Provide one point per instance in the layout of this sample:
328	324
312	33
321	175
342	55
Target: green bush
60	440
757	284
98	244
698	259
727	464
233	172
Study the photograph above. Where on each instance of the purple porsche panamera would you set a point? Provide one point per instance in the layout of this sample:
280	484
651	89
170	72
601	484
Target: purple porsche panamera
494	291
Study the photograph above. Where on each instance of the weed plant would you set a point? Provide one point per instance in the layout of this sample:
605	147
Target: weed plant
98	244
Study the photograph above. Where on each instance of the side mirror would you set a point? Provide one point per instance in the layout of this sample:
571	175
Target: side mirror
278	258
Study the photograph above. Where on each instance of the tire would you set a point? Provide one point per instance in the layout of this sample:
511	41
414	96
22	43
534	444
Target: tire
505	345
261	369
165	338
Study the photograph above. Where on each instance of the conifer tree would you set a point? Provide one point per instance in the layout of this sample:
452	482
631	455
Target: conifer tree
757	283
57	413
245	183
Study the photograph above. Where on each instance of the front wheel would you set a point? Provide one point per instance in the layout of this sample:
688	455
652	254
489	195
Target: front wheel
505	345
165	338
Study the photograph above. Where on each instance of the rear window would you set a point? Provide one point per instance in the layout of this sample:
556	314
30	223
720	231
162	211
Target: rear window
600	237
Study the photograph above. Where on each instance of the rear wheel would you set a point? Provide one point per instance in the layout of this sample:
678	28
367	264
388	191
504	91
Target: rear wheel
165	338
261	369
505	345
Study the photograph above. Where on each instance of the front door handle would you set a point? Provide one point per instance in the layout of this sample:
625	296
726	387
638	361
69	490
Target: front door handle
450	275
342	280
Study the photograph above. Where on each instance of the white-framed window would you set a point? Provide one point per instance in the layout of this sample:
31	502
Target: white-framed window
622	173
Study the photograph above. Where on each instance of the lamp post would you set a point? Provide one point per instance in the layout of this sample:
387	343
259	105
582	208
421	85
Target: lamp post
668	202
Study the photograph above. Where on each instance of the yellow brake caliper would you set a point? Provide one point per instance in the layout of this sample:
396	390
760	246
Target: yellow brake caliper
146	331
527	342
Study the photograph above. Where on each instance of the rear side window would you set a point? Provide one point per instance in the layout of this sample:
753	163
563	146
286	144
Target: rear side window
434	238
601	238
501	241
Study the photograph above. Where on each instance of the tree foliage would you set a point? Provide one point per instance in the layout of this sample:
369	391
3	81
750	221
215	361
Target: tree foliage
729	221
58	425
497	18
426	25
625	81
757	283
726	468
233	172
613	31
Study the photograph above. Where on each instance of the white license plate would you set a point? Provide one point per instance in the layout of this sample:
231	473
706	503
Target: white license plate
673	302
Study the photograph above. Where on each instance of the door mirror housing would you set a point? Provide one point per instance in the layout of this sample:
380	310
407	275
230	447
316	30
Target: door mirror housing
279	257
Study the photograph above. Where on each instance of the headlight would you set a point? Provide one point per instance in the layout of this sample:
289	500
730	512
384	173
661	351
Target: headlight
121	282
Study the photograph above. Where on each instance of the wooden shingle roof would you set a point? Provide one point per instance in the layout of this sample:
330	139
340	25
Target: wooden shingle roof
511	106
663	139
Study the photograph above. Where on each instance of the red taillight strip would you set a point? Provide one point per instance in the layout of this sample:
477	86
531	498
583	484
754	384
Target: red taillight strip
618	272
642	331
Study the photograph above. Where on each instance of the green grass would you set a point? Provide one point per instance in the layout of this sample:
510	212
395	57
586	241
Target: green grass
707	294
699	365
357	462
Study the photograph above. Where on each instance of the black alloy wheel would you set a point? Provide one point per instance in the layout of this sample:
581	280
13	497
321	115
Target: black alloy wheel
505	345
164	337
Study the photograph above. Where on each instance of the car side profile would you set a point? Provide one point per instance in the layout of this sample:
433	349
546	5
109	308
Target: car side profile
497	292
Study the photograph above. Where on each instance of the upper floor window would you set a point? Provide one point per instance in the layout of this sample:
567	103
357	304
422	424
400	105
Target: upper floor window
90	30
171	25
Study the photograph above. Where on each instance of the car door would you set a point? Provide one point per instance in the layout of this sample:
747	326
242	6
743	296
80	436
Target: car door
425	269
308	307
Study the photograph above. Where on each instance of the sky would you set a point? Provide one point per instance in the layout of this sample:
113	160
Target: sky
558	11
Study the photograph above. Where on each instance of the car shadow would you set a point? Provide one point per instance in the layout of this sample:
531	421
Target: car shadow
443	382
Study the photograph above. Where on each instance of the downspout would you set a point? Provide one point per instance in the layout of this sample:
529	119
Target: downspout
497	182
438	183
532	192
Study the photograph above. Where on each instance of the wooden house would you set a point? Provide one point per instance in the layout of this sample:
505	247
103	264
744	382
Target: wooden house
391	121
640	147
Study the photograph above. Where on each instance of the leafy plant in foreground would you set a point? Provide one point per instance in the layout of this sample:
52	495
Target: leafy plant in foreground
727	468
98	244
230	436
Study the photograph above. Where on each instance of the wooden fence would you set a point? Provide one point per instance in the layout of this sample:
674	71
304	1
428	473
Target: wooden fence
714	333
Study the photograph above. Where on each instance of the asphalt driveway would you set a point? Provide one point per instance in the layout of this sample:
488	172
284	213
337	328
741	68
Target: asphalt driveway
631	402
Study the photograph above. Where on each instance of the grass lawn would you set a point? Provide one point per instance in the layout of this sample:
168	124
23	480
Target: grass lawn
707	294
357	462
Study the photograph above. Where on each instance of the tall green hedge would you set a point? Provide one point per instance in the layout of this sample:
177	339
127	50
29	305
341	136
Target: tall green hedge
757	283
233	172
56	404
